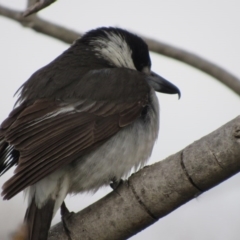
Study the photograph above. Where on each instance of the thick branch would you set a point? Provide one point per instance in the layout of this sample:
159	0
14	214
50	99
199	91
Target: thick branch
157	190
69	36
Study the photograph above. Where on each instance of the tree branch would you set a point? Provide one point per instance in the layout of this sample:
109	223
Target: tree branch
69	36
40	25
195	61
37	6
155	191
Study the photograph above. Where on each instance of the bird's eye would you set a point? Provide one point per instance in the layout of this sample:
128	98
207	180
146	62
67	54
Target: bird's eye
146	70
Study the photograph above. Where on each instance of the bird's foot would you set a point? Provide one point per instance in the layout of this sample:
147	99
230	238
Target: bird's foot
114	184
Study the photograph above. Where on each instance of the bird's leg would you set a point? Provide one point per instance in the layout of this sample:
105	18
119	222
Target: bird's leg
115	183
65	214
64	210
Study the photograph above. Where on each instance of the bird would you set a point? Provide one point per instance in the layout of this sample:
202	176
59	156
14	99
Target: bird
83	121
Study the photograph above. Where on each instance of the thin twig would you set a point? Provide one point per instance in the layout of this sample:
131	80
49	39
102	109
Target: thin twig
41	26
39	5
69	36
196	61
30	3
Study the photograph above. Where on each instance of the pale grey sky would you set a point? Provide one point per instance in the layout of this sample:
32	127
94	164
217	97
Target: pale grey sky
208	28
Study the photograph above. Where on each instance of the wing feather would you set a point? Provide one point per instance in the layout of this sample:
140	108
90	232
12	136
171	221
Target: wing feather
49	138
42	135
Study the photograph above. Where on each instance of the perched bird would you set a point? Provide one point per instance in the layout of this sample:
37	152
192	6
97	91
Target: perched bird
82	121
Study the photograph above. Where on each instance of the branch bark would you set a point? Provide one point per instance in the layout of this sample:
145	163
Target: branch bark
69	36
157	190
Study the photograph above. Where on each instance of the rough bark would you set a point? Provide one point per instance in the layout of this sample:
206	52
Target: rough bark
159	189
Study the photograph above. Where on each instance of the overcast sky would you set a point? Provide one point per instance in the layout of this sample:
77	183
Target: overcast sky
210	29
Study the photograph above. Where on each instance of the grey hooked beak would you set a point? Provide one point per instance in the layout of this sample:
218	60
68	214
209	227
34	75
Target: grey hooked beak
160	84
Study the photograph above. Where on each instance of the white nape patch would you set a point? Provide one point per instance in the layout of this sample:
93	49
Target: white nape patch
114	49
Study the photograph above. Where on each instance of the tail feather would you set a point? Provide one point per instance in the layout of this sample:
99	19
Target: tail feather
38	220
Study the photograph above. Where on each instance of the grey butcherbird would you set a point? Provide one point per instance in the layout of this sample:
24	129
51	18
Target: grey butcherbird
83	120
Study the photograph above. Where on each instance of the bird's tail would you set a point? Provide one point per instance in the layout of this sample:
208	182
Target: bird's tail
38	220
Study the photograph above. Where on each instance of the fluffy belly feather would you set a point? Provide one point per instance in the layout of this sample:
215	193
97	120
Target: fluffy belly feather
130	148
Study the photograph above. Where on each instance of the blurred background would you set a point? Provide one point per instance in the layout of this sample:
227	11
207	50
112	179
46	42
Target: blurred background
207	28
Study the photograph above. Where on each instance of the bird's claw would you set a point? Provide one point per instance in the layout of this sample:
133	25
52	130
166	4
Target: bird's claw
114	184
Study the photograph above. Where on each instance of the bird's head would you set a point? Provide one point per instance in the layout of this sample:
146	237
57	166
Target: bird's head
122	49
